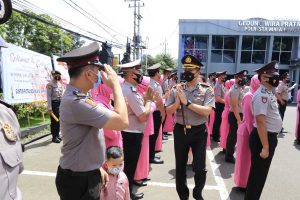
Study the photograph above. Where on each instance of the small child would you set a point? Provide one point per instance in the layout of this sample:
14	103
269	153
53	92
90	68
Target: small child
117	187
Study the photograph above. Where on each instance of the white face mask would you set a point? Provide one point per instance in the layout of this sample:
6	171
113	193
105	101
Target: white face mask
114	170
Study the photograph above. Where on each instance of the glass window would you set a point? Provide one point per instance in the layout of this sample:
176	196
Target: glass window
229	42
247	42
246	56
276	43
260	43
216	56
258	57
286	44
217	42
285	58
275	56
189	42
228	56
201	55
200	42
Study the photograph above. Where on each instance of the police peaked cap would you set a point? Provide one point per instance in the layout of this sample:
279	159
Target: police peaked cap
131	65
154	67
87	55
220	73
190	62
169	69
270	69
241	73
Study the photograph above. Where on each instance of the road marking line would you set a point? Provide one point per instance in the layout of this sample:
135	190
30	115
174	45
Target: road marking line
218	178
150	183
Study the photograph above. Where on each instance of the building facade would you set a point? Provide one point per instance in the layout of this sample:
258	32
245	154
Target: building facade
234	45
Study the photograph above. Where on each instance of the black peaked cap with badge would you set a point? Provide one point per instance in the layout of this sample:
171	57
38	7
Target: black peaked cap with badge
241	73
270	69
82	56
190	62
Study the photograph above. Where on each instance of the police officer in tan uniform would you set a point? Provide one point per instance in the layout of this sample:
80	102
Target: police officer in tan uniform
220	91
192	101
54	94
10	153
235	116
81	119
138	112
267	125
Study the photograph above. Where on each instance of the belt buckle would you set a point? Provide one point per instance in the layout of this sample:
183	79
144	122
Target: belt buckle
188	126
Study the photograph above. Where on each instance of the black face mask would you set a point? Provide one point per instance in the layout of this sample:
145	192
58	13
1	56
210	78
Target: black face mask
288	81
242	82
188	76
58	78
139	78
213	79
274	81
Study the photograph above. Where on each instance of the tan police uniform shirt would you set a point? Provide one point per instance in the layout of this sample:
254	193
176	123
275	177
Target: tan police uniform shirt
265	103
283	91
135	107
11	154
202	94
219	90
81	123
156	86
236	92
54	92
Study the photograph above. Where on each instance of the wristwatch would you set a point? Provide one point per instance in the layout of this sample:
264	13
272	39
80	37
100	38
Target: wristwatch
188	103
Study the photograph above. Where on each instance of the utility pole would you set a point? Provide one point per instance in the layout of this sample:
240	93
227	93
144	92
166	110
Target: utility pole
165	44
137	38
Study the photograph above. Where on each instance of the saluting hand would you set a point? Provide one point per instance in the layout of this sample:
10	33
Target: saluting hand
264	153
109	76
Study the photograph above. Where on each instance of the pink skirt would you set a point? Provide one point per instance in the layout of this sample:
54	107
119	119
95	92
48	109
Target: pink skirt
142	169
158	145
169	124
224	128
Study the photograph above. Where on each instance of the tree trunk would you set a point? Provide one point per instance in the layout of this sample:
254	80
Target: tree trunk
28	119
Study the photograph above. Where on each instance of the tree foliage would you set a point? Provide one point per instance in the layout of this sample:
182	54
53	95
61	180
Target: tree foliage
31	34
165	60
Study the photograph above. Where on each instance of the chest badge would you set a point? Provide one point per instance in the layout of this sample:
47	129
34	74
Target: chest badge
9	133
90	102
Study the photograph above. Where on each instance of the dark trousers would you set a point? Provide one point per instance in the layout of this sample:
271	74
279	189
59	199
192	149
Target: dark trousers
259	167
54	127
132	144
282	108
232	135
195	138
78	185
153	138
218	119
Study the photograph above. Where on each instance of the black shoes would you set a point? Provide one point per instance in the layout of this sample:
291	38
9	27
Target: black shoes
146	179
140	183
137	196
156	161
165	137
240	189
55	140
230	159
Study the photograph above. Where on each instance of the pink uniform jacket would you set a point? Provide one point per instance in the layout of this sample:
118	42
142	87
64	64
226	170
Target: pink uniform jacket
243	153
117	188
297	119
224	128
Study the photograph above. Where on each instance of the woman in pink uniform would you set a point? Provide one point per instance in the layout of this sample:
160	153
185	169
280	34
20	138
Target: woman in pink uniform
297	130
243	154
101	95
224	128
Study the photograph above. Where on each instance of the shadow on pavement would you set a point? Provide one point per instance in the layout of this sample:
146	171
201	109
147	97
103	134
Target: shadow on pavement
236	194
38	144
189	172
297	146
226	169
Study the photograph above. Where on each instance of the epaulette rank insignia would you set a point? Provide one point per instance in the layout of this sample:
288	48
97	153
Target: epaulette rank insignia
133	89
9	133
80	95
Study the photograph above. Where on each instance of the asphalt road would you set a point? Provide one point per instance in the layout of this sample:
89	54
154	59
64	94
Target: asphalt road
41	161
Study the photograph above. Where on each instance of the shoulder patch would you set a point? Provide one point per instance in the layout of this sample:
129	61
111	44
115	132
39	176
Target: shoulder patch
79	94
264	99
91	102
9	133
133	89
